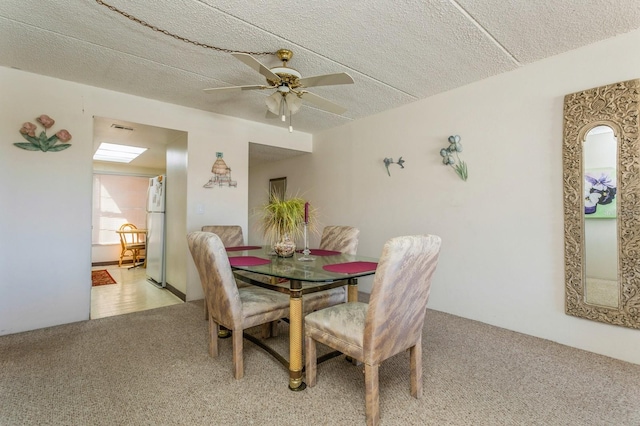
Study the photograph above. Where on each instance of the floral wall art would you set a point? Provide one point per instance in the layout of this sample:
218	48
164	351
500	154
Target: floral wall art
42	142
456	163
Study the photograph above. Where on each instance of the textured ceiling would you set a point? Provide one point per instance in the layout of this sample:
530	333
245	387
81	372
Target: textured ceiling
397	52
120	132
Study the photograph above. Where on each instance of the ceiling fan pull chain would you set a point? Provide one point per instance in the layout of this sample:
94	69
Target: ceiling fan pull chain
290	123
177	37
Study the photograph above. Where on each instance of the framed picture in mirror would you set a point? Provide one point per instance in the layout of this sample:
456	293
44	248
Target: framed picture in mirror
277	187
600	193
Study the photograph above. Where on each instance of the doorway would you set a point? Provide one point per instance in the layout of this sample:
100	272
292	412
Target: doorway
119	196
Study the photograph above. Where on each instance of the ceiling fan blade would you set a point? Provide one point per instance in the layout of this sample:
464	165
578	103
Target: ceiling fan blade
326	80
323	103
236	88
256	65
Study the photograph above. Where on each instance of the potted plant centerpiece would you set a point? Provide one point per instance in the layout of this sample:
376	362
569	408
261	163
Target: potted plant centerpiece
282	221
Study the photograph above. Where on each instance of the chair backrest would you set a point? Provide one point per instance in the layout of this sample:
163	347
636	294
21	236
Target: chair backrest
340	238
219	286
133	238
231	235
398	301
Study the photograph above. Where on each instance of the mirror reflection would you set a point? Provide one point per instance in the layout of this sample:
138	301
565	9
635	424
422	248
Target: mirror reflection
600	218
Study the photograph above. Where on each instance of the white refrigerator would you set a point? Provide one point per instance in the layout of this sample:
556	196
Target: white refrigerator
155	252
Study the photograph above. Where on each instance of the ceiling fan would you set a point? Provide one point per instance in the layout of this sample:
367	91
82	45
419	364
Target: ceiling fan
290	87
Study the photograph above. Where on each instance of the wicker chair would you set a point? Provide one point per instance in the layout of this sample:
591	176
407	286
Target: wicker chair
131	242
391	323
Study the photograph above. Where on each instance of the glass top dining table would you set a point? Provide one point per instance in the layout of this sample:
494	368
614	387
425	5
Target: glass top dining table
296	277
292	268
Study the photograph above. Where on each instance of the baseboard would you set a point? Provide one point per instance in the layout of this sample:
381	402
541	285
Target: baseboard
109	263
180	295
114	262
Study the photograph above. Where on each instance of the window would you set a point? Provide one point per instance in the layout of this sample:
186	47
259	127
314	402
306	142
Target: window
117	199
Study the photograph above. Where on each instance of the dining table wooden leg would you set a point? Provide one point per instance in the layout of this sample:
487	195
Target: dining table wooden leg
352	290
352	296
295	336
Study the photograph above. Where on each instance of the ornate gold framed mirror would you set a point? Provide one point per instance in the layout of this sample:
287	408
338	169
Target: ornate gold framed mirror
601	162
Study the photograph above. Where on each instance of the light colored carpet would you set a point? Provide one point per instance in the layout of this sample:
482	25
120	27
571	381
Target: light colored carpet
152	368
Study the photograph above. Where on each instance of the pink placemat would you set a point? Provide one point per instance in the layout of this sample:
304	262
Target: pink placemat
242	248
351	267
320	252
247	261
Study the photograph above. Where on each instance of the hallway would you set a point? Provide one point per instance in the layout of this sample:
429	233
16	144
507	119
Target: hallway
131	293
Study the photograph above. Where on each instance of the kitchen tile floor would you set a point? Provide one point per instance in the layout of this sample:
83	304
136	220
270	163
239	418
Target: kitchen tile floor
131	293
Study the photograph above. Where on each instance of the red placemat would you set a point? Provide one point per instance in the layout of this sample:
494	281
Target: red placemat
351	267
320	252
242	248
247	261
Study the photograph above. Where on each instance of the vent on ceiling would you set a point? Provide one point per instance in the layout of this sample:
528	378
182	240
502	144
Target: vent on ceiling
120	127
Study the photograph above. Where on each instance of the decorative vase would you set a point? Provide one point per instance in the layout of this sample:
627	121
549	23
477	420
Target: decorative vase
285	247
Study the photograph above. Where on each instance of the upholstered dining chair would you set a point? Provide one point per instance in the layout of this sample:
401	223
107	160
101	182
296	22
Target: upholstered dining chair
235	308
230	235
336	238
340	238
130	242
391	323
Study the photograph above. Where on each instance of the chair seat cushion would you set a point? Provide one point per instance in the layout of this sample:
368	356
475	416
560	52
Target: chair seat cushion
342	325
323	299
240	283
257	301
135	246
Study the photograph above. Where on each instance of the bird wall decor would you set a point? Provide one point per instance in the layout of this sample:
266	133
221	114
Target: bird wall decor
389	161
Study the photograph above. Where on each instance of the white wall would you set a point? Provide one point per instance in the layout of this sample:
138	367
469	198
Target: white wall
45	211
176	216
502	259
45	208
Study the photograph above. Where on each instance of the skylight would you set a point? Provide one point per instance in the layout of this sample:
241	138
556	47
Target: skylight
117	153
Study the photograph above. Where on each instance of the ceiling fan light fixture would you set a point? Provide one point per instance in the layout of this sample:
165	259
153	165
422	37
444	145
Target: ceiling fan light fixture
273	103
294	103
283	104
